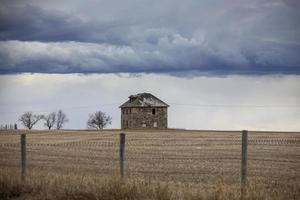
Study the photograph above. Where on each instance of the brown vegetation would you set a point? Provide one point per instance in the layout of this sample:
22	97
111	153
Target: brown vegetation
159	165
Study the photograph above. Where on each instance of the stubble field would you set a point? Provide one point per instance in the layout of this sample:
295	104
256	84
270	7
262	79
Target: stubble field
200	159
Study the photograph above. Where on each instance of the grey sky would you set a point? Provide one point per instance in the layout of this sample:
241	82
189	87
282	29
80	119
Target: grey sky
205	37
233	102
230	64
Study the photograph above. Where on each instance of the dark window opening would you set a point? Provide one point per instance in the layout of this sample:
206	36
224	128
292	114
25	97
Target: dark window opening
153	111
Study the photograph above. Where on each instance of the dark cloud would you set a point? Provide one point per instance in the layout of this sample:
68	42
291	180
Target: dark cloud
199	37
292	3
169	55
31	23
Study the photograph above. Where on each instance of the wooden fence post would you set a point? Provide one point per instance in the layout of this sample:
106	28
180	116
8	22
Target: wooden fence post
23	156
122	153
244	163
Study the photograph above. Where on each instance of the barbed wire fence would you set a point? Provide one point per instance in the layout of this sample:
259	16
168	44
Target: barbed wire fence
169	156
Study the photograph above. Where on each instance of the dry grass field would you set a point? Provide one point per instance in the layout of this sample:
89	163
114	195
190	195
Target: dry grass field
169	164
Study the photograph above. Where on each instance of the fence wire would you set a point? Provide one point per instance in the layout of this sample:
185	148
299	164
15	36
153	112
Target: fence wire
186	156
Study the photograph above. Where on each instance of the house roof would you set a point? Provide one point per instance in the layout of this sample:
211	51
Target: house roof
143	100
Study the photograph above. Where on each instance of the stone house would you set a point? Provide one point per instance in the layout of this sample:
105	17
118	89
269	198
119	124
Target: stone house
144	110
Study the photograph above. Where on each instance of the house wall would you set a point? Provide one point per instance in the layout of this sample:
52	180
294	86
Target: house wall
144	117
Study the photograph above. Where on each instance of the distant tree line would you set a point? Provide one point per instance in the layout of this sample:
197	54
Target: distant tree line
9	126
57	120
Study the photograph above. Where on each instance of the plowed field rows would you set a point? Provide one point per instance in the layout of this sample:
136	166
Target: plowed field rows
169	155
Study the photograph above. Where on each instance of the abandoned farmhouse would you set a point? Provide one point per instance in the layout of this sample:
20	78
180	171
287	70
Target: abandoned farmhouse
144	110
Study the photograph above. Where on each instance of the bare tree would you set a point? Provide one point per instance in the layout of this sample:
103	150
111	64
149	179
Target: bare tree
61	119
50	120
98	120
29	120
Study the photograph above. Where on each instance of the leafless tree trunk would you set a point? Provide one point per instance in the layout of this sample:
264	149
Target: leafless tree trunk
61	119
29	120
98	120
50	120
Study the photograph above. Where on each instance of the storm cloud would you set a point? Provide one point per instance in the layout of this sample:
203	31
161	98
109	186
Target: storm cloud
173	37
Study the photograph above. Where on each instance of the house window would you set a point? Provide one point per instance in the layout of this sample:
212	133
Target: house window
123	111
153	111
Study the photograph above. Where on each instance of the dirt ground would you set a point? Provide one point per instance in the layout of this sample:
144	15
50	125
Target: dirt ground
170	155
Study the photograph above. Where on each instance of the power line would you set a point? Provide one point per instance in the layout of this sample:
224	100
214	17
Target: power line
171	104
62	108
235	105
